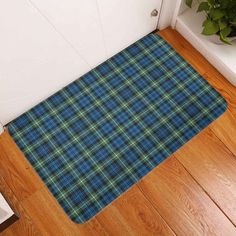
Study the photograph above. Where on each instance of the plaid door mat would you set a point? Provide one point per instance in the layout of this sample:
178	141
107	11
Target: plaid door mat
98	136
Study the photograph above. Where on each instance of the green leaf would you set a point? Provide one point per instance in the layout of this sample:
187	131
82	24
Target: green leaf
189	3
225	40
216	14
222	24
224	4
205	22
233	22
210	28
225	32
223	35
203	6
211	2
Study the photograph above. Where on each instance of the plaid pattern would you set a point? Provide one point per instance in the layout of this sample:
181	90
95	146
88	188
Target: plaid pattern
98	136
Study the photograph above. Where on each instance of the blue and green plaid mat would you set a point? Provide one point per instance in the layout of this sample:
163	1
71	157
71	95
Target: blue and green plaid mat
98	136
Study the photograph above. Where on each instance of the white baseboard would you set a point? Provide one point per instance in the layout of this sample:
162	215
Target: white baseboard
222	57
1	129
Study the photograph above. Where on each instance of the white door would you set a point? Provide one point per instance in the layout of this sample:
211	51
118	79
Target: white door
35	61
46	44
125	21
100	28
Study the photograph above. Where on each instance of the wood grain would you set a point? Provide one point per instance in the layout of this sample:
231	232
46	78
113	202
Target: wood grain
225	129
204	68
50	217
213	166
191	193
208	158
16	170
136	214
23	226
182	202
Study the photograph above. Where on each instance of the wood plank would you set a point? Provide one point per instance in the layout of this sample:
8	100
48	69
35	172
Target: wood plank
213	166
183	203
16	170
23	226
50	220
212	163
182	47
227	90
133	214
200	63
50	217
225	127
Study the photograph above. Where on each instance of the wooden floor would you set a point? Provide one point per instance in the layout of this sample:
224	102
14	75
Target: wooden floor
193	192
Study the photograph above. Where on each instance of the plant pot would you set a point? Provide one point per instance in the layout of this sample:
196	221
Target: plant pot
216	39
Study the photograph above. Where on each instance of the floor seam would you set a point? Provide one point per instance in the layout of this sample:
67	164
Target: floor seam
142	192
205	191
223	143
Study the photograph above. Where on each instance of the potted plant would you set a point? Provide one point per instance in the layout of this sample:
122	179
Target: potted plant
220	18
